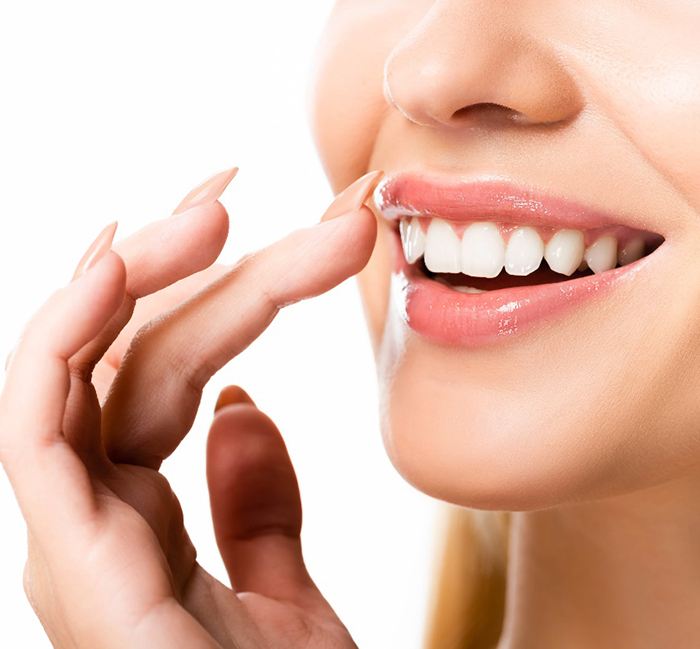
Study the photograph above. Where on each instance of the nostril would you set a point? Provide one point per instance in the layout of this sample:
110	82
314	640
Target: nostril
487	112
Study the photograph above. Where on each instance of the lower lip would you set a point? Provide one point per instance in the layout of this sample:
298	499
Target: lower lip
446	316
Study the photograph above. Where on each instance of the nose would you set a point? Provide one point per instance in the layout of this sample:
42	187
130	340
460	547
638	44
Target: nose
469	60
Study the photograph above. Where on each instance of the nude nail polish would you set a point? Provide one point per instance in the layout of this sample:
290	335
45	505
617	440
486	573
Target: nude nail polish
232	395
207	192
354	196
98	249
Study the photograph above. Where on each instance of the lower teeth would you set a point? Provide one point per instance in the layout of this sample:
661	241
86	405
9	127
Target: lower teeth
467	289
460	288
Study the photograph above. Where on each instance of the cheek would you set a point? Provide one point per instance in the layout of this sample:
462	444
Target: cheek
643	79
347	99
346	102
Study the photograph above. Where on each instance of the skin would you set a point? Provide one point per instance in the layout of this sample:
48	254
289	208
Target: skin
588	427
81	438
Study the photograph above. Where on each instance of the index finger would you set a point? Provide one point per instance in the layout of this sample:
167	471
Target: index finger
155	396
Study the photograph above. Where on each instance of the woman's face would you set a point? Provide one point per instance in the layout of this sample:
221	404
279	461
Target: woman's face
509	131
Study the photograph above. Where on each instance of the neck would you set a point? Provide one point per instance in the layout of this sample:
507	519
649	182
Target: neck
620	572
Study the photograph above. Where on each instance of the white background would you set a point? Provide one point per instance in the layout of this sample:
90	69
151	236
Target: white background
114	110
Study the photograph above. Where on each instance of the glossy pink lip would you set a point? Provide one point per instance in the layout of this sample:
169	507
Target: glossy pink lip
496	200
446	316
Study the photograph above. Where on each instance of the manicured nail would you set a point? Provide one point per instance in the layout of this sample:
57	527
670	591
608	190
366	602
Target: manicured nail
98	249
207	192
231	396
8	359
354	196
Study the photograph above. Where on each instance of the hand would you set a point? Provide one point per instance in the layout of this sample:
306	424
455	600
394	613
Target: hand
110	563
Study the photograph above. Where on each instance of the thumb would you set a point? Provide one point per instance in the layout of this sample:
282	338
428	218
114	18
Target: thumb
255	504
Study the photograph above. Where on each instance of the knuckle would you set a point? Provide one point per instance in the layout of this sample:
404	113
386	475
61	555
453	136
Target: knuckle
81	370
246	261
253	268
191	375
145	333
144	343
156	340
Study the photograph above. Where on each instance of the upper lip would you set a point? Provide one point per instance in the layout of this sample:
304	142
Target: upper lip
409	194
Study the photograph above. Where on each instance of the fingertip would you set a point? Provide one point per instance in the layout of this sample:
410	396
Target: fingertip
232	395
101	292
212	221
251	480
175	247
366	234
241	437
75	314
97	249
209	223
353	196
358	233
209	226
313	260
105	282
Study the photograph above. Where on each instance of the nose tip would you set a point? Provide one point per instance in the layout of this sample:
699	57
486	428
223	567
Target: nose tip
459	73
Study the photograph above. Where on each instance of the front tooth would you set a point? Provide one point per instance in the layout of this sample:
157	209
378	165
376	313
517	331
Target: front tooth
412	239
483	252
601	255
631	251
442	248
564	251
524	251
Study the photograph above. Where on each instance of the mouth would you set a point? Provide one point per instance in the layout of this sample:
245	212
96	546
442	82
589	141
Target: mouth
482	261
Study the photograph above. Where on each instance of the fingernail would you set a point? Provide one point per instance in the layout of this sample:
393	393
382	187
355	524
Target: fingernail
98	249
354	196
8	359
231	396
207	192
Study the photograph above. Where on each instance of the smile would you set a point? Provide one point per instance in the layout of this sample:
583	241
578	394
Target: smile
479	262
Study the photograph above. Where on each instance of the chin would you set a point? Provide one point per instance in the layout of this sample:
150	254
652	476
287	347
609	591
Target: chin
479	451
461	430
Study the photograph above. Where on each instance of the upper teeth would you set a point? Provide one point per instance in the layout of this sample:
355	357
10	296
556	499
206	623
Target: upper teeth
482	251
442	248
524	251
631	251
602	254
413	240
564	251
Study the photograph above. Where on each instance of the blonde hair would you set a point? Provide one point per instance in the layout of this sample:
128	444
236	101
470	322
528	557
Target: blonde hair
469	594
